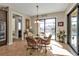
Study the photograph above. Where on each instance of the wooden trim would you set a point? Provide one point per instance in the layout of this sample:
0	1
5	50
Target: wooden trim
44	27
78	30
6	28
55	29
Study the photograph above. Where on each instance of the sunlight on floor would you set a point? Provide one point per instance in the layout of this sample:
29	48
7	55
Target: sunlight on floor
58	49
56	43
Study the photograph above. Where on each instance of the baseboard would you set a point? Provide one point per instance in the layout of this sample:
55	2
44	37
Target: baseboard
10	43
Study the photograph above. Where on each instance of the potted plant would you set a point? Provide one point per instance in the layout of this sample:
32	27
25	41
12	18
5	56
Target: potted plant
61	35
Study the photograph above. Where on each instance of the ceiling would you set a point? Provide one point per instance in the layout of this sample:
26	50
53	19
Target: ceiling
31	10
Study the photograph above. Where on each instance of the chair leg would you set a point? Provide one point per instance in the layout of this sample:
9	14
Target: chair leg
45	49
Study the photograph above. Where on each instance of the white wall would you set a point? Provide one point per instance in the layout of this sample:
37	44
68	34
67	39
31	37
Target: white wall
13	24
10	41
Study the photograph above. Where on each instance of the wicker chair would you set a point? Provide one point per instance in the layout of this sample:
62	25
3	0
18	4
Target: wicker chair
45	42
32	44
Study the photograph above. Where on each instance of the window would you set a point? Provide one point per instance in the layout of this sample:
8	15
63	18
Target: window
47	26
19	25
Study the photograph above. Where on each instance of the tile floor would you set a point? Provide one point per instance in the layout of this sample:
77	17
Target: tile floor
18	48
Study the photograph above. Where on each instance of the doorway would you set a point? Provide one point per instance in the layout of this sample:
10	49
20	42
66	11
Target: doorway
47	27
17	27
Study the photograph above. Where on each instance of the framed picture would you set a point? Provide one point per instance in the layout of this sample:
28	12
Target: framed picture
60	23
27	23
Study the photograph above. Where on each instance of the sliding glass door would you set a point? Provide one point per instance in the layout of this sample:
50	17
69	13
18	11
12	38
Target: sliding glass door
73	29
50	27
47	27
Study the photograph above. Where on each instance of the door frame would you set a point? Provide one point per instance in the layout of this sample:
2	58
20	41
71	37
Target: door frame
16	24
69	28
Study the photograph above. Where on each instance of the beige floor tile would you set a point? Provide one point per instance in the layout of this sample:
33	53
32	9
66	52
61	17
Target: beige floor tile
18	48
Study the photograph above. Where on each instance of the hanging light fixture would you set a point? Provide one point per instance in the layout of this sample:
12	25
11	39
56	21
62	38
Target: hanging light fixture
37	18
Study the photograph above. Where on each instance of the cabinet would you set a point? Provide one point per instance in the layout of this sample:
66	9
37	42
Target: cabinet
3	30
